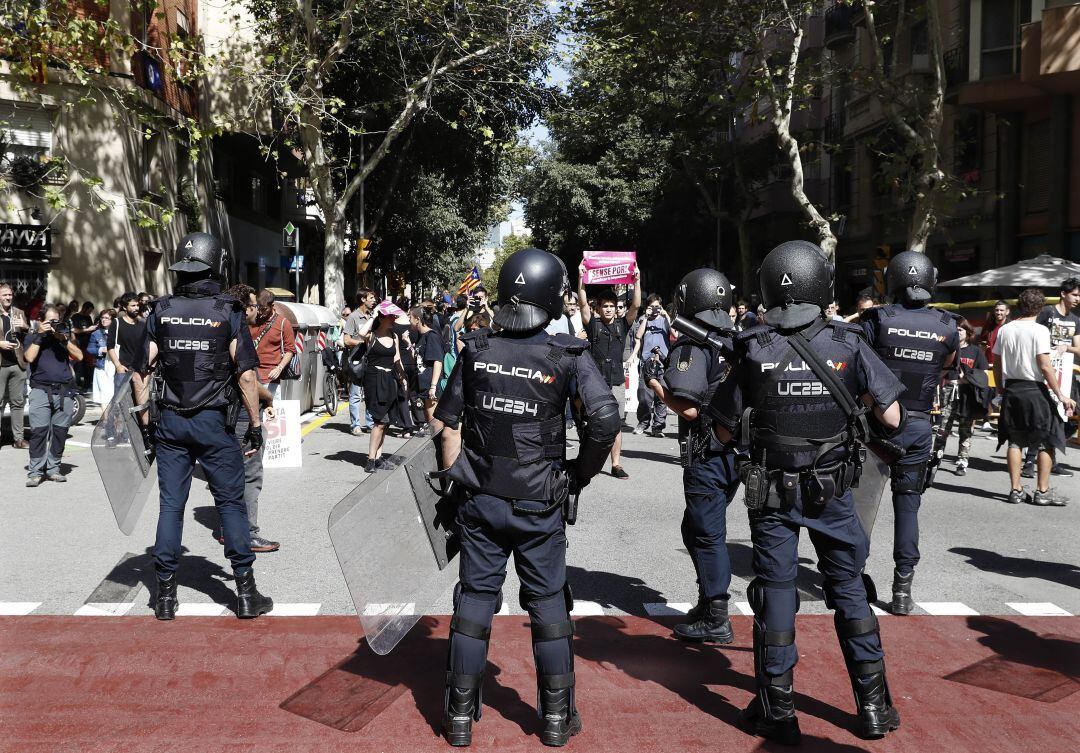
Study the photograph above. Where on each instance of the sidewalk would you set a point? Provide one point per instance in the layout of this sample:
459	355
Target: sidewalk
299	684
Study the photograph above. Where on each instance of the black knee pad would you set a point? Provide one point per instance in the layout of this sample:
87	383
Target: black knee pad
755	593
525	598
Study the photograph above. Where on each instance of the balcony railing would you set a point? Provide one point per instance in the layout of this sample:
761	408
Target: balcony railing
839	25
956	66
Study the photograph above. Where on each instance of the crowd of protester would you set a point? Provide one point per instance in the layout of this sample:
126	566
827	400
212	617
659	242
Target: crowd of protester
397	356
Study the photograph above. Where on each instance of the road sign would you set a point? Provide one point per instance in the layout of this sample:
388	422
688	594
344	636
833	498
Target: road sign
290	236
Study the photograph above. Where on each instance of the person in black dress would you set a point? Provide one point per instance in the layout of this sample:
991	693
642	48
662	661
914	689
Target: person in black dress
381	379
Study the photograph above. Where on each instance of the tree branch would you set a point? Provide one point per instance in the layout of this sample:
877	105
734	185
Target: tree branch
344	37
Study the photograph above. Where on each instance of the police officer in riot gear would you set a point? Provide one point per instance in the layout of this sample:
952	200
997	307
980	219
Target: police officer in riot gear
918	344
803	458
203	350
511	467
686	383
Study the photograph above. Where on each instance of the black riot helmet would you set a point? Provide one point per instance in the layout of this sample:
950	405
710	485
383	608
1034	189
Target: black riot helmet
531	287
796	280
199	253
705	295
910	278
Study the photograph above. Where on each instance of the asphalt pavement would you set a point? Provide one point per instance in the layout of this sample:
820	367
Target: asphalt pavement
61	553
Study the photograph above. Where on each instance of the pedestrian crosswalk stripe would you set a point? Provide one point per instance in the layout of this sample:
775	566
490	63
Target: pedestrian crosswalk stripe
877	610
295	610
665	609
12	608
100	609
944	608
587	609
743	607
1038	609
188	609
374	609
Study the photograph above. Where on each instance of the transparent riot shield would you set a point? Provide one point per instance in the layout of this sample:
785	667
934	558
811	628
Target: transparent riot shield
875	476
394	543
126	469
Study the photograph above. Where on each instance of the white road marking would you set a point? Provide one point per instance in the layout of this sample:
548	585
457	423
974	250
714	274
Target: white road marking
1038	609
944	608
743	607
102	609
666	609
13	608
587	609
295	610
878	610
187	609
72	442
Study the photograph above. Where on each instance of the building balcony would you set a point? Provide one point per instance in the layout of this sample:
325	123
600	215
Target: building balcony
956	67
840	25
1050	57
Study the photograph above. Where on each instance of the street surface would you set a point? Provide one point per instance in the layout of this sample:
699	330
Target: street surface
84	664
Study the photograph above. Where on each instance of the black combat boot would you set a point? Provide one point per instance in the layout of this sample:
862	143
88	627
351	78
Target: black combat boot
901	593
461	708
698	610
249	602
557	710
772	714
165	604
877	717
712	626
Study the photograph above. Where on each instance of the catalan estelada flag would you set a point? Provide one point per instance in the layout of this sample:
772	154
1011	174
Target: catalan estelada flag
471	281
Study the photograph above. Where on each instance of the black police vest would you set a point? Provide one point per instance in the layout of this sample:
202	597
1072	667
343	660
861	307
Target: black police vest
193	338
515	394
798	423
913	344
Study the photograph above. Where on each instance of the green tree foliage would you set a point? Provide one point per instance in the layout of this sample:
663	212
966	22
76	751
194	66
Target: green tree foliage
641	153
349	81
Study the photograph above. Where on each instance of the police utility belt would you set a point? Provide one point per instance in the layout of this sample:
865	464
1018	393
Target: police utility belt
778	489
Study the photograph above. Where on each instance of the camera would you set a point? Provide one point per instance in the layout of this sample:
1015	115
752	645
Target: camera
475	305
60	328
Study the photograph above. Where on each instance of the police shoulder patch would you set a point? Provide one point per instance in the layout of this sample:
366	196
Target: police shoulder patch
684	365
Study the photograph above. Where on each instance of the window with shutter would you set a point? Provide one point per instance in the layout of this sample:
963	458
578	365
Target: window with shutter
25	130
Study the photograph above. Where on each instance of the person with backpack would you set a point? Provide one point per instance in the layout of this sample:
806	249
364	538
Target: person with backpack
274	341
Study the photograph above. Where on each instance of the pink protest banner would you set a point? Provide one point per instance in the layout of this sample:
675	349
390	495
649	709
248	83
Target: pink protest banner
610	267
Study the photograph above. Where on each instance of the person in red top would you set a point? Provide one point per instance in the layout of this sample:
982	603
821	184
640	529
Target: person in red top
274	341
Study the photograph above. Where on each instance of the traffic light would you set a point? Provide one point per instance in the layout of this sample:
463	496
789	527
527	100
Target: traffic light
362	253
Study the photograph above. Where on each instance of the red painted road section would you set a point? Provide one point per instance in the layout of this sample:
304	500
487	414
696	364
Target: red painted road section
308	684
